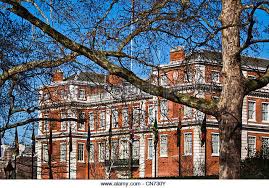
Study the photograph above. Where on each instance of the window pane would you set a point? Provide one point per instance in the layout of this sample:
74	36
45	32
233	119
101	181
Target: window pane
136	149
80	152
264	111
188	144
251	146
46	123
124	149
163	145
215	144
150	148
115	116
251	110
91	152
114	149
102	120
215	77
101	152
136	117
91	120
151	115
125	118
164	109
187	112
265	147
63	151
45	153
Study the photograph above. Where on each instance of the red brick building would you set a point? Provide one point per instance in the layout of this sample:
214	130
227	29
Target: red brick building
120	118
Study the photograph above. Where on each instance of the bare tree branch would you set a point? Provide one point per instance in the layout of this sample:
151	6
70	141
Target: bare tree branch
99	57
35	64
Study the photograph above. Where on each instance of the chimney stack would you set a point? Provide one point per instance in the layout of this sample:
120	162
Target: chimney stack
177	55
113	79
57	76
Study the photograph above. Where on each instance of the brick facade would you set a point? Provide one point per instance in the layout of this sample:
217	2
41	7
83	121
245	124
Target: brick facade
109	103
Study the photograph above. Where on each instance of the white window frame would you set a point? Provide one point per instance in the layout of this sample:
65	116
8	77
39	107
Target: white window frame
81	125
212	76
101	151
267	111
45	153
91	152
136	117
114	149
124	149
91	120
102	120
125	118
188	145
79	152
64	124
212	144
63	151
254	111
115	118
164	109
46	123
151	115
251	154
150	148
136	149
267	146
164	145
187	112
81	94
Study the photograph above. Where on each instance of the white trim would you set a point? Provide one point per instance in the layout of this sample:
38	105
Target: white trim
265	121
93	120
83	97
99	151
148	156
45	154
215	154
142	153
81	126
218	72
184	145
63	160
255	145
125	111
254	114
81	161
92	152
167	140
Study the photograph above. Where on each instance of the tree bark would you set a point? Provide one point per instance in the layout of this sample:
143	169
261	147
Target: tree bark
231	101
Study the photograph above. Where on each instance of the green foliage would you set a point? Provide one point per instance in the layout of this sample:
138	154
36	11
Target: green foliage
255	167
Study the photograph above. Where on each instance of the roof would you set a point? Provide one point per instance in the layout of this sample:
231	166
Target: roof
88	76
217	56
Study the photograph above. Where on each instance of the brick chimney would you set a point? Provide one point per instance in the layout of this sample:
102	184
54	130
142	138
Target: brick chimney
114	80
57	76
177	55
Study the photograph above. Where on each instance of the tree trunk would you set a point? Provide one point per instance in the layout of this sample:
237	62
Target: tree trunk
231	101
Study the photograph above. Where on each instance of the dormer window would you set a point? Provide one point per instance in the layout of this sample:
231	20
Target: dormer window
81	94
215	77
